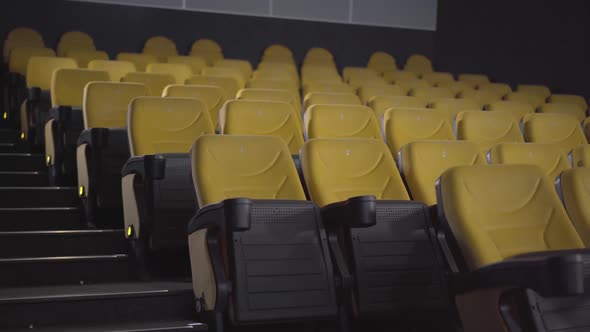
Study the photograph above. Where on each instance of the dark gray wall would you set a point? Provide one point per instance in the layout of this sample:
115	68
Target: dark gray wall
124	28
524	41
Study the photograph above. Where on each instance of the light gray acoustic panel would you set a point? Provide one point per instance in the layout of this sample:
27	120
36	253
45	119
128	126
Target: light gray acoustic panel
412	14
324	10
145	3
250	7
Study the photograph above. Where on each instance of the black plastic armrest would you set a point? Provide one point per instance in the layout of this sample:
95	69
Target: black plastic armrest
149	167
99	137
356	212
232	214
552	273
60	113
343	272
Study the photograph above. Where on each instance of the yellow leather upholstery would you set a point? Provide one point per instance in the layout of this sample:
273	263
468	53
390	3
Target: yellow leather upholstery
574	110
533	100
156	82
250	117
318	53
284	96
422	163
180	71
226	72
243	66
563	130
517	108
116	69
482	97
19	58
432	95
580	156
140	60
106	103
338	169
83	57
40	70
278	51
396	76
487	129
456	87
166	125
274	84
500	211
326	87
21	37
381	62
229	85
436	78
550	158
74	40
160	47
194	62
357	73
573	186
501	89
67	85
367	92
474	80
570	99
232	166
207	49
413	84
357	80
212	96
402	126
275	72
341	121
318	98
453	104
381	104
537	90
418	63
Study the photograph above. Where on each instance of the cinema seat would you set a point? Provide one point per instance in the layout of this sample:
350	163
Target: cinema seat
229	85
252	117
340	121
380	104
278	51
452	106
243	66
326	87
574	110
103	149
541	91
35	109
155	82
65	121
438	78
422	162
116	69
371	224
141	61
19	58
531	99
370	91
234	73
413	84
276	71
158	195
212	96
580	156
274	84
180	71
474	80
550	158
570	99
381	62
161	47
317	98
270	227
419	64
207	49
500	89
74	40
517	259
482	97
586	128
518	109
487	129
318	54
83	57
456	87
572	186
349	73
21	37
394	76
194	62
559	129
284	96
431	94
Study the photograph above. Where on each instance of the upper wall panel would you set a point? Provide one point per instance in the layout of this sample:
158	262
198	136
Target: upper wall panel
409	14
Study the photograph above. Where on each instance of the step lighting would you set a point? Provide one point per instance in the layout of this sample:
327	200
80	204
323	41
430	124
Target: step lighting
48	160
5	115
81	191
129	231
22	136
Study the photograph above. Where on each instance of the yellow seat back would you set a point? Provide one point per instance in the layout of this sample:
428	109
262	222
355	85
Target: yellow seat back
422	162
276	74
381	62
40	70
180	71
106	103
402	126
234	73
19	58
541	91
560	129
67	85
155	82
284	96
205	44
250	117
573	187
570	99
395	76
341	121
474	80
243	66
74	40
21	37
580	156
456	87
255	167
326	87
518	109
161	47
358	72
499	211
419	64
116	69
277	50
212	96
432	94
338	169
457	105
194	62
533	100
166	125
229	85
380	104
141	61
482	97
274	84
500	89
437	78
487	129
574	110
83	57
321	98
550	158
370	91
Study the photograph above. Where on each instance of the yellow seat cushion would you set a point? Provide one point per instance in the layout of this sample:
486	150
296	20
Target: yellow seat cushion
482	97
243	66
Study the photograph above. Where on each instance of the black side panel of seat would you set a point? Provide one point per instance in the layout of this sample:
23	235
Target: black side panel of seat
397	263
281	265
174	203
72	129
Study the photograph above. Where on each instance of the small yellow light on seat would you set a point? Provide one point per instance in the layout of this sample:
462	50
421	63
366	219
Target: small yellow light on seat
22	136
81	191
47	160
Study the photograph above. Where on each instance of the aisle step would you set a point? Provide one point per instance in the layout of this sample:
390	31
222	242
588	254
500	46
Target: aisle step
38	197
40	219
23	179
22	162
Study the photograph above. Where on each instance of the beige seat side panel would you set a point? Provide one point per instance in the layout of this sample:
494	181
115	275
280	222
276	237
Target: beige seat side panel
130	211
49	143
82	167
204	285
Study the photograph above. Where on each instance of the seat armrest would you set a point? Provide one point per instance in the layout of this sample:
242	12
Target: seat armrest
61	114
150	167
98	137
356	212
551	273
